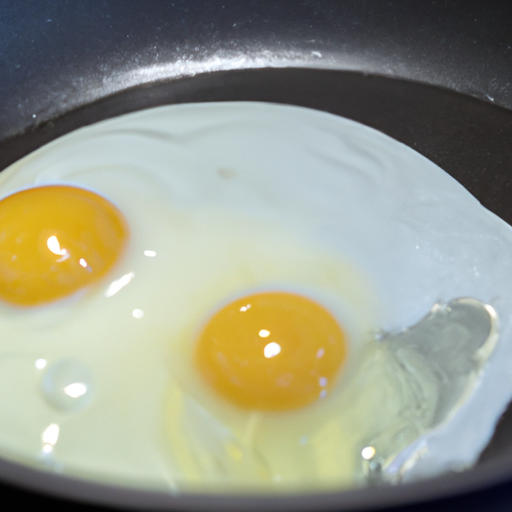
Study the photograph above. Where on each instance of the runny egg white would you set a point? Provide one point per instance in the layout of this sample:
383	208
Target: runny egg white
219	203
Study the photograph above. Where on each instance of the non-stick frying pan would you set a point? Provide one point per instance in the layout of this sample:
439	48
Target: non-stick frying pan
434	75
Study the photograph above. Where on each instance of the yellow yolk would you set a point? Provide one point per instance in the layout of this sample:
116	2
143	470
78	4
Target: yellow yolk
271	351
54	240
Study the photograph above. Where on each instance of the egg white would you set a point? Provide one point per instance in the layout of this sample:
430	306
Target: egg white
231	198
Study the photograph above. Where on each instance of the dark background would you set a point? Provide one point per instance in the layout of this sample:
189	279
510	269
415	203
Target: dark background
58	55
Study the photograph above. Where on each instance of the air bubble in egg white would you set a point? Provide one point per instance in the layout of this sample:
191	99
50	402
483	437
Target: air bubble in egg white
67	385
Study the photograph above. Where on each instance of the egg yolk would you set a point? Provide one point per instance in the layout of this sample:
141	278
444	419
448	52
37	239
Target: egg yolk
54	240
271	351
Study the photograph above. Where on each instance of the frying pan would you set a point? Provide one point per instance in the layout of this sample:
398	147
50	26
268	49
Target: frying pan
434	75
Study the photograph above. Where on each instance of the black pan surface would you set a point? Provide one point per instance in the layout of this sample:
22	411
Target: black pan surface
398	66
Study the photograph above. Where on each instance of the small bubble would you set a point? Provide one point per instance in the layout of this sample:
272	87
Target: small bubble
380	335
368	452
66	385
372	465
40	364
137	313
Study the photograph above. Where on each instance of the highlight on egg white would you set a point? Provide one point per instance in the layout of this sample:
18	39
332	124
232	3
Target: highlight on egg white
231	200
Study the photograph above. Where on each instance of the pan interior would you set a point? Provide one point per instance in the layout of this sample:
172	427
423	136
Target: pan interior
466	137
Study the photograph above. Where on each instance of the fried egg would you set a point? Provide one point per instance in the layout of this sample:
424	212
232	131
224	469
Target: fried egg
182	230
